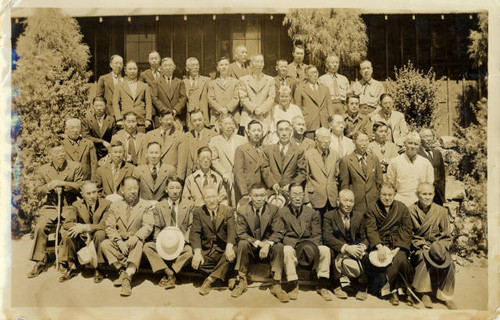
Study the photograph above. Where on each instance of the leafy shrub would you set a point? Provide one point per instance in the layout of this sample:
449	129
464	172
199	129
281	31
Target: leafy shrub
49	86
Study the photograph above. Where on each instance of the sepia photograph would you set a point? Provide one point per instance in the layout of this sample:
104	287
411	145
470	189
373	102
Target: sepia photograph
249	161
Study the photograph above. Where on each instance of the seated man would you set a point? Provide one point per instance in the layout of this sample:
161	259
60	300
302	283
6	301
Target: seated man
260	234
59	176
203	177
388	227
344	233
355	121
87	220
79	149
434	269
284	110
131	138
302	242
153	175
110	175
99	127
129	223
170	212
340	143
380	147
212	237
298	135
279	165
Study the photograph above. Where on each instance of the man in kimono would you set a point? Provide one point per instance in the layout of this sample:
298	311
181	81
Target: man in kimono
434	269
388	226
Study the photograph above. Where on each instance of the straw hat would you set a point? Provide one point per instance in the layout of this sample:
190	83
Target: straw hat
381	264
169	243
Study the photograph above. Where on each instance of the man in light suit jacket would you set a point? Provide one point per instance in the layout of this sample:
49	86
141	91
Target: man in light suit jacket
110	175
283	79
297	66
319	168
150	75
279	164
79	149
131	138
435	157
99	127
394	120
223	96
107	83
340	143
153	175
259	230
196	91
314	100
133	95
361	172
129	224
88	219
248	160
257	94
169	93
171	212
238	68
298	136
212	237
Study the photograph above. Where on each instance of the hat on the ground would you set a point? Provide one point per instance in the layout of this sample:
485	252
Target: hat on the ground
437	255
348	266
169	243
277	200
307	254
381	264
88	254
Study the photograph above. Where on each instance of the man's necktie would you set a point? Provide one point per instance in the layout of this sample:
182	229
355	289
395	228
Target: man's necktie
362	162
91	212
131	150
174	214
282	153
154	173
429	152
257	225
335	86
325	156
128	213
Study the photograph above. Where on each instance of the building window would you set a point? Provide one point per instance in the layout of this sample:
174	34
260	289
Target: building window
138	46
235	32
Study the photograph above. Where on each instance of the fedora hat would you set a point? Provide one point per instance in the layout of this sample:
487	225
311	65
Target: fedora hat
381	264
437	255
88	254
169	243
307	254
348	266
277	200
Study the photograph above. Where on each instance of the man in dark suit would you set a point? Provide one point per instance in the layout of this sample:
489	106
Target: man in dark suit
260	234
59	176
355	120
435	157
110	175
171	212
168	93
87	220
79	149
283	79
279	164
153	175
99	127
248	160
302	242
344	233
212	237
150	75
107	83
314	100
131	138
361	172
238	68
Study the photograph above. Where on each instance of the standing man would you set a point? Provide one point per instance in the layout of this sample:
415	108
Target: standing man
434	268
153	175
296	67
355	120
86	220
212	236
302	242
168	93
340	143
314	100
394	120
99	127
257	94
131	138
107	83
337	84
361	173
129	223
409	169
150	75
59	176
223	95
196	91
79	149
238	68
368	89
382	148
298	136
319	169
283	79
260	234
436	159
344	233
389	229
170	212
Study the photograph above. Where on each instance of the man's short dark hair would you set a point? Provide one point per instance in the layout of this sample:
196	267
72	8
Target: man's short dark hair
114	56
223	58
383	95
204	149
85	183
378	124
296	184
252	122
298	46
388	185
116	143
257	185
153	142
165	112
98	98
281	60
129	112
174	179
351	96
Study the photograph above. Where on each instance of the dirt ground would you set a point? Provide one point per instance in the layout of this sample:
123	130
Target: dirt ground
45	290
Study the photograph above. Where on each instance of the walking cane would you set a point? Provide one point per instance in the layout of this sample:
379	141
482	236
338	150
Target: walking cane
58	191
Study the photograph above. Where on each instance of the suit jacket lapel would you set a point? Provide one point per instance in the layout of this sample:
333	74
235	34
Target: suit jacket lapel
355	163
266	216
289	155
162	175
208	220
111	83
98	212
340	224
294	222
319	161
252	153
84	212
126	88
146	173
310	93
303	218
251	216
219	218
